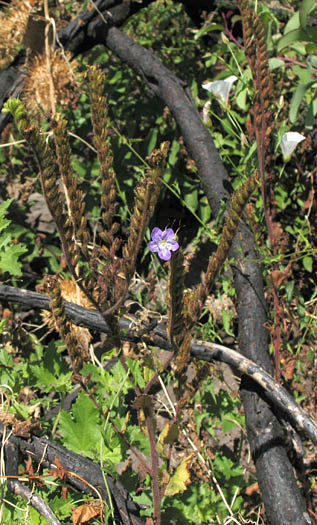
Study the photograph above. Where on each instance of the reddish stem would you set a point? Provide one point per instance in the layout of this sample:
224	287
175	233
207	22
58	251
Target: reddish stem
154	469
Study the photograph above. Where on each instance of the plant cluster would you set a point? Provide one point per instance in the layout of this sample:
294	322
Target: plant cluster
149	417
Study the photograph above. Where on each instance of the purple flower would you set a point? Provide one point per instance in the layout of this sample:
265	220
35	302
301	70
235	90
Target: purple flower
163	242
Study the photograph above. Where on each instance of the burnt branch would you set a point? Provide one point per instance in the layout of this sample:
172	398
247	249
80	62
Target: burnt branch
16	487
75	466
274	393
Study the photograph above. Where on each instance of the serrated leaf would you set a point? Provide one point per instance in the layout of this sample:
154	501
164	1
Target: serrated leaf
4	223
181	479
4	206
81	432
9	259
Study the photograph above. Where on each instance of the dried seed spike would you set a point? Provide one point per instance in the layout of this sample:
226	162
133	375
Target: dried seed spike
238	202
99	117
176	325
146	195
74	197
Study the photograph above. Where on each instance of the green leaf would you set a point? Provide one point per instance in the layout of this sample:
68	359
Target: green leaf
62	508
308	263
289	288
204	210
304	10
204	30
4	206
152	141
191	199
311	50
52	373
241	99
172	159
227	425
81	432
9	252
274	63
310	115
298	35
226	319
296	100
9	259
292	24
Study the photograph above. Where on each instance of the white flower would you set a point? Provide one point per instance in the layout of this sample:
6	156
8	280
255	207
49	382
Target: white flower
221	88
289	143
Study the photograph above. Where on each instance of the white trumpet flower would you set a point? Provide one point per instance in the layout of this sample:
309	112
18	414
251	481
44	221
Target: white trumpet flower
289	143
221	88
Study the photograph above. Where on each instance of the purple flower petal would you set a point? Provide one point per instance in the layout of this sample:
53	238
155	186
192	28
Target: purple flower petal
156	234
153	246
163	242
173	245
168	234
164	253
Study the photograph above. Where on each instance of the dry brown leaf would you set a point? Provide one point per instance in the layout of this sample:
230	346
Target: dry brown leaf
85	512
288	370
65	493
277	277
251	489
29	466
60	471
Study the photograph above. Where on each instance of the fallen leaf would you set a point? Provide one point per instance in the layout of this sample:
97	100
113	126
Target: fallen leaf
85	513
251	489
